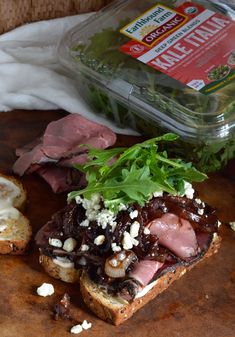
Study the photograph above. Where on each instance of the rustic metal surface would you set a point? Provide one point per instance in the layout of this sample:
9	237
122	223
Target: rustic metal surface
200	304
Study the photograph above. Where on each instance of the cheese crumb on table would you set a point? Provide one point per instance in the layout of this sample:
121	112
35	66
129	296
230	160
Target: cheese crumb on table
76	329
46	289
86	325
232	225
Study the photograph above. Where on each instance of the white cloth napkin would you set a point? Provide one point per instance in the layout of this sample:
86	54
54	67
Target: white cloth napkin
31	76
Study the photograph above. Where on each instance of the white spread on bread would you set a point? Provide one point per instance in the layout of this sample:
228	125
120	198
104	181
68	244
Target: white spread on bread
6	214
8	190
9	212
2	227
63	262
146	289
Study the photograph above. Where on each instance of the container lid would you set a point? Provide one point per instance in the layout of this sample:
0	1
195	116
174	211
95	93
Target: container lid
170	61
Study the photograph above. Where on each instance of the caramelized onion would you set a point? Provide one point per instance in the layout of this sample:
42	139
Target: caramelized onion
117	264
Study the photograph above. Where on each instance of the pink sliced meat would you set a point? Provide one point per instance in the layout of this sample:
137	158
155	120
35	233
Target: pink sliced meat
27	160
76	159
61	179
28	147
176	234
60	146
64	137
144	271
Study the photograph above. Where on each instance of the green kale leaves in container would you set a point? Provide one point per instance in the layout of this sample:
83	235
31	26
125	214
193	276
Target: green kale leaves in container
160	66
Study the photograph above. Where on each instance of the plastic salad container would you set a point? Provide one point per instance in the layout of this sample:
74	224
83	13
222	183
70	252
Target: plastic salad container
162	66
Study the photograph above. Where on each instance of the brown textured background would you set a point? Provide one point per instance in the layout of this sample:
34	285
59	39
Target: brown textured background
200	304
14	13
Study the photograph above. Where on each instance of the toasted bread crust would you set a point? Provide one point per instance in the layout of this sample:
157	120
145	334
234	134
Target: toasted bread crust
69	275
115	310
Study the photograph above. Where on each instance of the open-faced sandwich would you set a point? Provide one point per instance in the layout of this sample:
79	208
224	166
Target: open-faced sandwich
137	227
15	229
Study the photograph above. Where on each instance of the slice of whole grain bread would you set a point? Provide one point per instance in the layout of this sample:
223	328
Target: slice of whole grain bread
116	310
15	229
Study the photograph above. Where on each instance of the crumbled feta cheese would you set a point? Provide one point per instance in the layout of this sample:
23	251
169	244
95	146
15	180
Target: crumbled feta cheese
99	240
232	225
200	211
91	214
84	248
198	201
46	289
113	225
115	248
134	214
96	207
158	194
76	329
189	191
134	230
95	198
84	223
86	203
146	231
69	245
91	206
122	207
86	325
219	223
105	217
127	241
135	242
55	242
78	199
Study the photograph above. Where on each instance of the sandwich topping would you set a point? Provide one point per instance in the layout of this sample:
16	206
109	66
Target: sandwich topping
137	218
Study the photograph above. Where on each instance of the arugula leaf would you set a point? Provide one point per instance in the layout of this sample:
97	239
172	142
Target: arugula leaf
128	175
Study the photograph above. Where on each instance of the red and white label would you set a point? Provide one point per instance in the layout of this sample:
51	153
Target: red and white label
198	52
